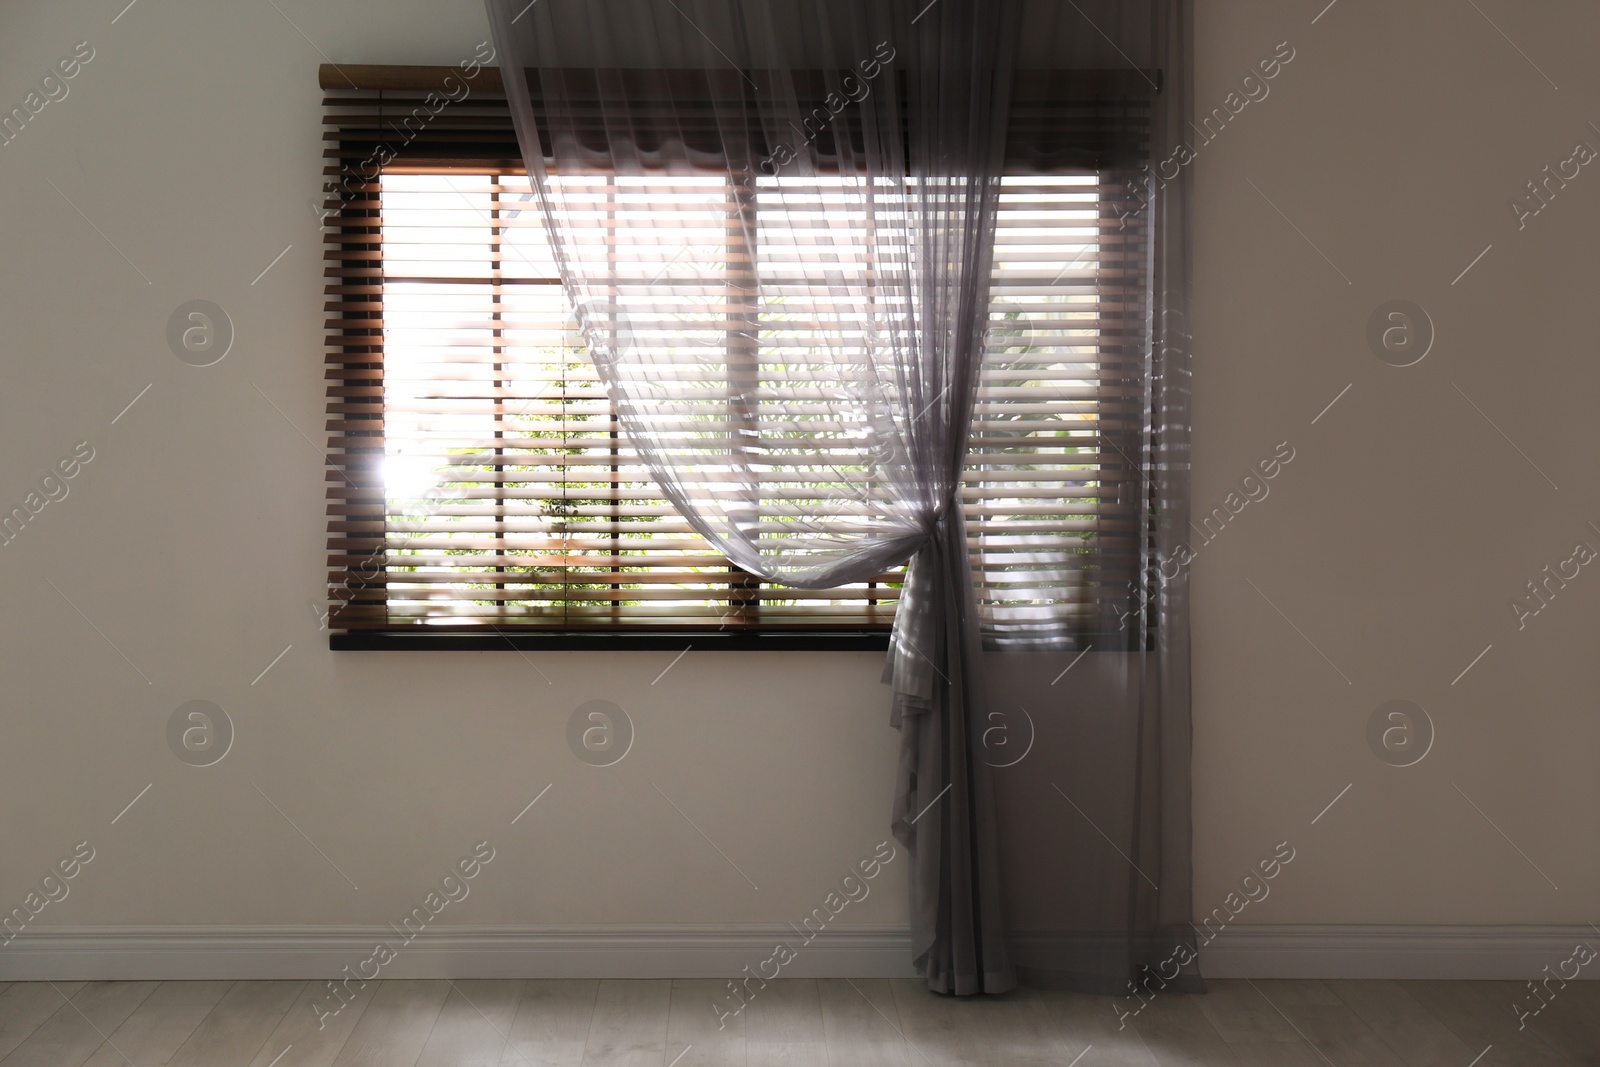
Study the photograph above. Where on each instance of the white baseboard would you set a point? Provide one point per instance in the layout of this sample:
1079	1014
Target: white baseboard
1472	952
683	951
264	952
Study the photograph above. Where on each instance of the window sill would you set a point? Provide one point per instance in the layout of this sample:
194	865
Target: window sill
844	641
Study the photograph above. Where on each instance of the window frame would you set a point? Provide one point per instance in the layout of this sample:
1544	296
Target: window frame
426	158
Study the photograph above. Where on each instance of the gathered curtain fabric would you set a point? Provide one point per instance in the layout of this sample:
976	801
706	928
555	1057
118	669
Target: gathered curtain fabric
776	223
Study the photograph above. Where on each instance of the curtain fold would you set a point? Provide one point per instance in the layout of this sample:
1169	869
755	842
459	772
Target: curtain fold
944	808
1094	811
776	223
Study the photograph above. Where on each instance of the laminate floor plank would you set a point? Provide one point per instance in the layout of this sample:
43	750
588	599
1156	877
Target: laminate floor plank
473	1026
1480	1024
941	1030
783	1025
860	1024
1565	1023
1586	1006
552	1023
629	1026
1024	1028
1336	1032
24	1007
1095	1022
1404	1024
72	1034
236	1029
159	1026
312	1032
711	1037
395	1026
1178	1034
1256	1034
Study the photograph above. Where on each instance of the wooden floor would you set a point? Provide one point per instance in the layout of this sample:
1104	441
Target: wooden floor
835	1023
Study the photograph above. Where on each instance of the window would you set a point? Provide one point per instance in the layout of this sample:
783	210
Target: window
479	480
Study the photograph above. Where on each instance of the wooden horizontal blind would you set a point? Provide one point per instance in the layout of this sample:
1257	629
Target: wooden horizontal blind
478	477
1052	484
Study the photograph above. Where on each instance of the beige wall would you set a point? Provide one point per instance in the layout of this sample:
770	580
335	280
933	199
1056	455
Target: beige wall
194	538
1406	522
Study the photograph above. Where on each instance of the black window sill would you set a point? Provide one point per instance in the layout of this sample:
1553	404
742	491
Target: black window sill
798	641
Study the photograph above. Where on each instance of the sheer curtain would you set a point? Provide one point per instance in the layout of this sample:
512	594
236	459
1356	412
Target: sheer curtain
776	222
